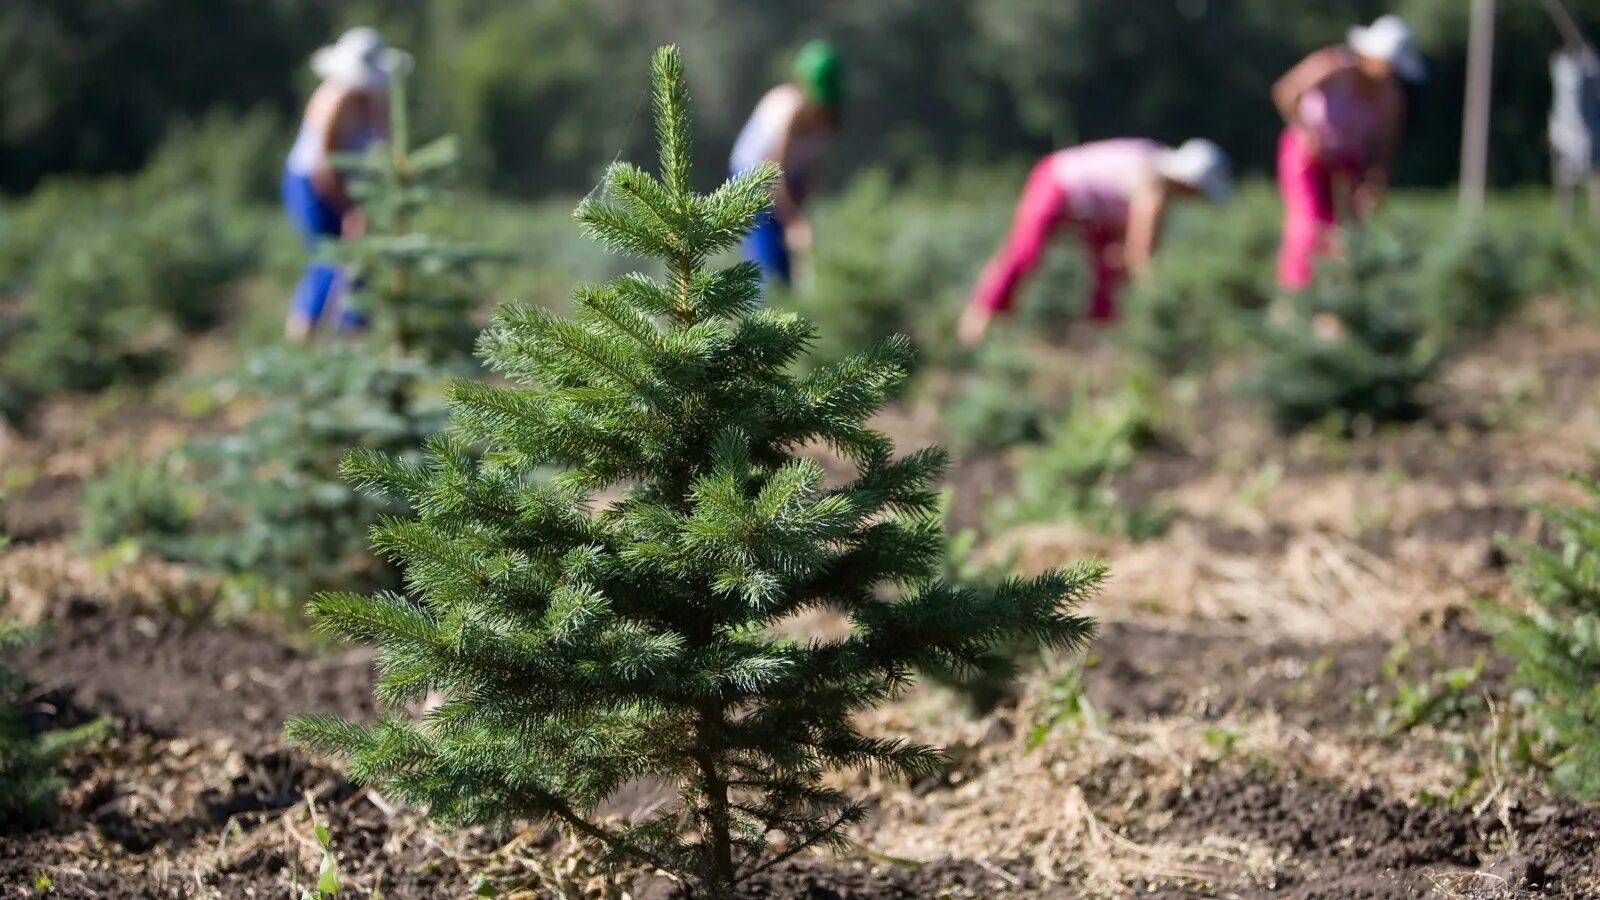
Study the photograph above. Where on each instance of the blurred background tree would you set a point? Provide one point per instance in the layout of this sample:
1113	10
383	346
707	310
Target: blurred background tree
540	90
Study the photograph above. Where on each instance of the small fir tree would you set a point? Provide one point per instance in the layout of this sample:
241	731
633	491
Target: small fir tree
1555	641
1471	280
1197	308
1351	346
995	406
107	277
273	507
572	649
1070	476
418	288
861	283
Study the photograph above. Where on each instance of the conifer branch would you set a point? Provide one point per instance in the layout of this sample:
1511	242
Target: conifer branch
820	835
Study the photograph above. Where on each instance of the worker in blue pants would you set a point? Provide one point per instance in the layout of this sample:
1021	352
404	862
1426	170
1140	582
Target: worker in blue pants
347	113
790	126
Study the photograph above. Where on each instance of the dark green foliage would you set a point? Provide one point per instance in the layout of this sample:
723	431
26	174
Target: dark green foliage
267	503
1183	319
1359	345
154	243
107	278
1555	640
861	284
994	406
900	260
180	257
237	159
1471	280
272	503
78	332
155	64
133	500
992	678
1351	346
537	92
1069	476
1561	261
1211	280
535	89
574	647
29	779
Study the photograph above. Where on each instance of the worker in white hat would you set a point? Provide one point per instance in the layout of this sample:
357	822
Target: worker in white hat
1113	195
347	112
1344	111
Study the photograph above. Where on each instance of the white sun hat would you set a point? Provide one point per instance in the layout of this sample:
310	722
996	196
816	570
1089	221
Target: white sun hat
1390	39
1200	164
359	59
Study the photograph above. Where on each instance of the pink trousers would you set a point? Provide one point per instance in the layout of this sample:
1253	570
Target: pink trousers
1310	213
1040	212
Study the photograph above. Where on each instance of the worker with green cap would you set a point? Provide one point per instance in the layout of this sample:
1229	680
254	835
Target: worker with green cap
790	126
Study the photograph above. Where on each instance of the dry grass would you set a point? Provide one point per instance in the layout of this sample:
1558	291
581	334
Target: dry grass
1319	587
1062	802
34	575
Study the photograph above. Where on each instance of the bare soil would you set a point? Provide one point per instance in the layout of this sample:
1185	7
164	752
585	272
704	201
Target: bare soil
1363	844
196	795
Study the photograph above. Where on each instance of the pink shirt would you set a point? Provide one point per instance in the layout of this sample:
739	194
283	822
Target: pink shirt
1098	179
1347	124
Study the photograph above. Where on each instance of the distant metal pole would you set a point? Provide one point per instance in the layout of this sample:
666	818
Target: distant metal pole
1571	32
1475	121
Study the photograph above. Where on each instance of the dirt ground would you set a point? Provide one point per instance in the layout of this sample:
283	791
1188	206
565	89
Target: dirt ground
1223	737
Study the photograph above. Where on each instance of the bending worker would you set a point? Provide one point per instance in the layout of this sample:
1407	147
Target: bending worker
790	126
1113	195
1344	109
347	112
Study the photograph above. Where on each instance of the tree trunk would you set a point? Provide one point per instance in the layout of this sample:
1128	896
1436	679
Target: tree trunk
718	834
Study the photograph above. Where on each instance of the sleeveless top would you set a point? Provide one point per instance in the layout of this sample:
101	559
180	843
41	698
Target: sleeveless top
1097	179
761	138
307	155
1346	123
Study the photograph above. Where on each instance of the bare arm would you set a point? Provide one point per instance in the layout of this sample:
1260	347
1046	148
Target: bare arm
1307	75
1146	209
1375	178
784	205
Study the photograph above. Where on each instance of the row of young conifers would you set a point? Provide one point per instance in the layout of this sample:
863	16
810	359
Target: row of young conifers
538	649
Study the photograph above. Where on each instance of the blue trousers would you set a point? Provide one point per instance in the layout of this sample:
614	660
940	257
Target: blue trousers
765	246
322	281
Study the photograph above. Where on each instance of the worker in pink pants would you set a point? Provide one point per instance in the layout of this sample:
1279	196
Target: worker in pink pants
1343	109
1113	195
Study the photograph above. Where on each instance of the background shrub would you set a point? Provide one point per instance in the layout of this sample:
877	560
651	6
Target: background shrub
105	279
994	405
1350	347
1211	281
1471	278
1068	477
267	503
